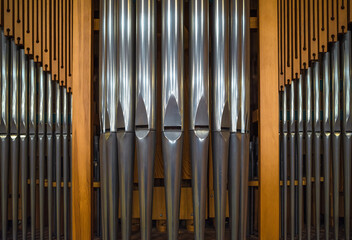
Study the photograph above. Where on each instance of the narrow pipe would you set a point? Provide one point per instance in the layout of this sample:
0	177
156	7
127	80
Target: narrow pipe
347	127
145	121
58	166
336	131
285	161
103	183
14	133
23	101
32	124
326	127
70	164
41	144
4	129
292	137
300	134
65	157
49	150
172	118
199	120
125	114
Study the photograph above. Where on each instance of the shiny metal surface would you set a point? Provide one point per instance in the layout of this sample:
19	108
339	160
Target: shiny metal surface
299	135
285	160
23	92
125	158
347	127
102	67
336	130
145	145
58	153
65	150
145	64
103	184
220	67
172	142
4	147
292	152
172	65
326	127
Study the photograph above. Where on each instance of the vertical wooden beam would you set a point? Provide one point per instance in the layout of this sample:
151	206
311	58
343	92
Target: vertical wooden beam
82	120
269	121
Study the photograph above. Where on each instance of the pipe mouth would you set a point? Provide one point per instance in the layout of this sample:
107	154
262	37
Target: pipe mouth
172	136
142	132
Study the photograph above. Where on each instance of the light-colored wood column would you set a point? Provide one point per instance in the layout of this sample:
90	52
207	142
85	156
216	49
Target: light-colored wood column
269	217
82	120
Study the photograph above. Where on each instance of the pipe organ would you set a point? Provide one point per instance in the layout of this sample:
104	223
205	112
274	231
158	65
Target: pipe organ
314	46
36	108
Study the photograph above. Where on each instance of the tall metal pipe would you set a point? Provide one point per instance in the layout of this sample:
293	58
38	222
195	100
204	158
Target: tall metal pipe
14	133
285	160
239	115
58	165
23	103
326	127
199	119
65	157
347	126
32	124
4	129
125	114
336	130
300	156
172	118
41	144
292	131
49	149
145	118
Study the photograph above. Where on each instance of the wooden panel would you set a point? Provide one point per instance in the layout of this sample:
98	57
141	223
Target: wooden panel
323	23
313	30
304	34
332	18
54	40
37	51
296	59
19	15
269	217
281	44
62	42
82	121
288	41
1	17
46	34
342	15
69	46
8	17
28	35
350	11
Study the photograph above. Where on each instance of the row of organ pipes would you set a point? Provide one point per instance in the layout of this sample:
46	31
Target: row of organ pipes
128	112
315	70
35	148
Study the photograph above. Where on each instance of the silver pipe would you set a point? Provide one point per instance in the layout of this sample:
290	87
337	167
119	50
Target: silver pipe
58	142
145	121
70	163
336	130
125	114
285	160
4	129
14	132
32	125
220	113
49	149
299	134
199	114
23	101
172	118
326	127
41	144
65	157
292	131
347	126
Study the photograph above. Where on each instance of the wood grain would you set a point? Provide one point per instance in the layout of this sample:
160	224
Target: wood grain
82	121
8	18
54	40
46	51
38	31
28	28
18	22
323	24
332	19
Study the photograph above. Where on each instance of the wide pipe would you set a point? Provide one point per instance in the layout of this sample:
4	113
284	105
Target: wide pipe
125	114
172	116
326	127
145	116
336	131
347	126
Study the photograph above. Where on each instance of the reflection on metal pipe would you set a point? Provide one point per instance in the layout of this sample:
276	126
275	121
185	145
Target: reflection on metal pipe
65	157
23	101
32	124
300	155
14	127
292	131
326	137
220	116
125	114
172	120
199	115
57	141
41	144
347	127
285	160
336	130
49	149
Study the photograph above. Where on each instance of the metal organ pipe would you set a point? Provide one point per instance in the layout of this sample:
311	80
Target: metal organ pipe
145	118
299	135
